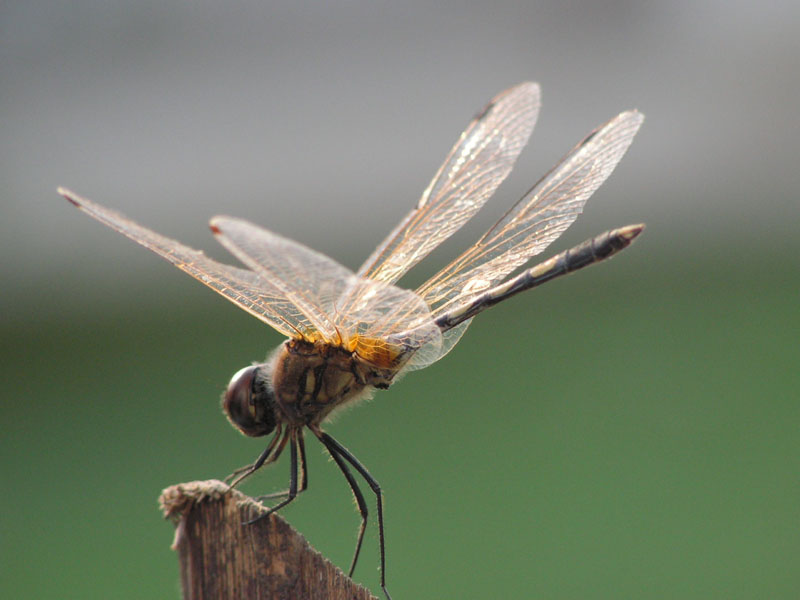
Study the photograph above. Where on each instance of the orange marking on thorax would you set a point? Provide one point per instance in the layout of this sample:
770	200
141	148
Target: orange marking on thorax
375	350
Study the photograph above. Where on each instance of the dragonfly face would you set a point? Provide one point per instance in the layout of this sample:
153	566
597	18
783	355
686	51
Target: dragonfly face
249	402
353	332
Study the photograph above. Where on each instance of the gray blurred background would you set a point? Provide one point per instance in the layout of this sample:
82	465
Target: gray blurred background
628	432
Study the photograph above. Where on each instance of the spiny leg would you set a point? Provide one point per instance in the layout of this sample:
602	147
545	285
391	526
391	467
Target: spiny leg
362	505
332	444
243	472
292	475
301	444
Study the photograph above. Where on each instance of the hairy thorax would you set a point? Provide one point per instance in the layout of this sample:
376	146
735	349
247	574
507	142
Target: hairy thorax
310	380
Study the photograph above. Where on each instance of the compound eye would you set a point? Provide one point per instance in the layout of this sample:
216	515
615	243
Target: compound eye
242	407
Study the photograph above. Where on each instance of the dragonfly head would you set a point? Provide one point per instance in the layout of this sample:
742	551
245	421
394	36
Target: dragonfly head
249	402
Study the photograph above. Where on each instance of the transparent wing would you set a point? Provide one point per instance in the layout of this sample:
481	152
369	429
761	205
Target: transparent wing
246	289
370	327
472	171
542	215
308	279
430	353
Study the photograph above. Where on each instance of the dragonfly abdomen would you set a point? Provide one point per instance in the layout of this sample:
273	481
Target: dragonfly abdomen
587	253
596	249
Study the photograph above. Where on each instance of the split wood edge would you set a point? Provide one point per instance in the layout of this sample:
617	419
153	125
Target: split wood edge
221	557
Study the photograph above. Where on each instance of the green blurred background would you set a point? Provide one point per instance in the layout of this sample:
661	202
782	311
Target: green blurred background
631	431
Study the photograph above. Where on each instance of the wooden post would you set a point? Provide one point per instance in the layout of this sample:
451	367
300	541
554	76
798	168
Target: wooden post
220	557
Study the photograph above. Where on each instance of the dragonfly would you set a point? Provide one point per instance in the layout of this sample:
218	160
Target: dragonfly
351	333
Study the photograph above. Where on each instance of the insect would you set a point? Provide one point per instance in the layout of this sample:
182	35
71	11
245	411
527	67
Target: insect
352	333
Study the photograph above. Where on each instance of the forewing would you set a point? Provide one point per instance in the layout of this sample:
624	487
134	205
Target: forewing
246	289
308	279
542	215
472	171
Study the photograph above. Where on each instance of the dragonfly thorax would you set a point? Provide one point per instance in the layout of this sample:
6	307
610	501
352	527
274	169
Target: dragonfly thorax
310	380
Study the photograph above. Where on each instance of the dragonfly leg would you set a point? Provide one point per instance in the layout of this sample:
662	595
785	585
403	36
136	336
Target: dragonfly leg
266	457
359	496
301	445
341	454
292	476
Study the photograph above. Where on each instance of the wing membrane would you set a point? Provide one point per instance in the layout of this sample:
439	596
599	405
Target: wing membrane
472	171
247	289
542	215
383	309
308	279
